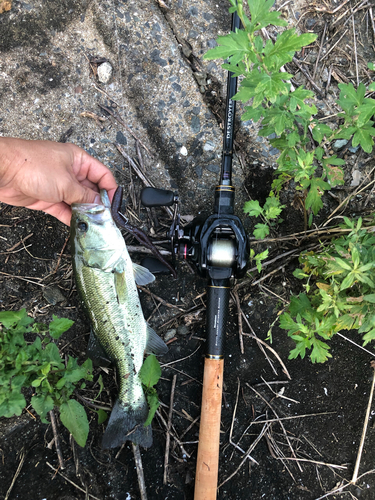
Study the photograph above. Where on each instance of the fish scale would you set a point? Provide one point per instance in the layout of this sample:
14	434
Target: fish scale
112	326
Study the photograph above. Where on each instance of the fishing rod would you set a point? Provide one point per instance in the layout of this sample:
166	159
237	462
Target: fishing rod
219	247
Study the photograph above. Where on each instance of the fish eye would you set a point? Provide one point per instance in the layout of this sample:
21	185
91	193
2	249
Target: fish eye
82	226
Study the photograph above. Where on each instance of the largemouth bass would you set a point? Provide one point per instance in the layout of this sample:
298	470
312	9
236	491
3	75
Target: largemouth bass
106	282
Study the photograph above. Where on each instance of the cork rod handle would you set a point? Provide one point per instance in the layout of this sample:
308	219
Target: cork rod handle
209	431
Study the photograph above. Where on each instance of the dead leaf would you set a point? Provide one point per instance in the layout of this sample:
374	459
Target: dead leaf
5	5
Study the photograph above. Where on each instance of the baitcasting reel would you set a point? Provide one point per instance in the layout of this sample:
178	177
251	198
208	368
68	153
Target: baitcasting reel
217	244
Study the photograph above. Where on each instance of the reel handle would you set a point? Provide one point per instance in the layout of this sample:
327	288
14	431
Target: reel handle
153	197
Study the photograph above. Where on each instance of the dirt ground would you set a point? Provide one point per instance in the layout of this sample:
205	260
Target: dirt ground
310	449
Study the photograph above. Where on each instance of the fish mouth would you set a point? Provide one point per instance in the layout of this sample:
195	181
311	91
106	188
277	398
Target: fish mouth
91	208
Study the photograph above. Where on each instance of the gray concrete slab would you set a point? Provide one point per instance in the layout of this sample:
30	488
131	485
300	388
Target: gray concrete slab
160	87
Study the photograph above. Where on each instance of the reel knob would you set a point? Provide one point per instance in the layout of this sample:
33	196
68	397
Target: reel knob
153	197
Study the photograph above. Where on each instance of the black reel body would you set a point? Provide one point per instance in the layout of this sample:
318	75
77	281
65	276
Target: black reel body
217	244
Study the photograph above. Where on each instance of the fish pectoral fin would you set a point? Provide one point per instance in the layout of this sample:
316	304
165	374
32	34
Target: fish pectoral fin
154	345
96	352
120	287
142	275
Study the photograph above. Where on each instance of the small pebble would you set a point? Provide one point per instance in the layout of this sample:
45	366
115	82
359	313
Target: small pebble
340	143
356	178
169	335
183	330
105	71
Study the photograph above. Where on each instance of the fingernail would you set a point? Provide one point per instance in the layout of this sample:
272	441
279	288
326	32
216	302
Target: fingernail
97	200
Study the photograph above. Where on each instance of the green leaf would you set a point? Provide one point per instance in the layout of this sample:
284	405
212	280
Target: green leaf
261	231
251	113
293	138
52	353
299	304
365	111
261	16
59	326
355	257
150	371
10	318
271	85
299	350
253	208
13	404
319	352
349	96
287	323
42	404
370	298
363	136
288	43
369	337
298	273
319	152
347	282
343	264
313	199
102	416
73	417
234	45
319	131
153	403
259	258
272	207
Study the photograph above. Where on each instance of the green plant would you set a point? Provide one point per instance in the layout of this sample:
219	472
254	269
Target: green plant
150	374
340	292
270	212
286	113
38	365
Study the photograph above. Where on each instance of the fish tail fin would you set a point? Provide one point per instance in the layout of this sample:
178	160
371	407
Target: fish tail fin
126	423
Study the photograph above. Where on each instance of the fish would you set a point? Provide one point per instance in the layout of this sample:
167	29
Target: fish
106	281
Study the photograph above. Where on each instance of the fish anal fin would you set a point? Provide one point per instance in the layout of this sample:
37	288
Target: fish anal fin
155	345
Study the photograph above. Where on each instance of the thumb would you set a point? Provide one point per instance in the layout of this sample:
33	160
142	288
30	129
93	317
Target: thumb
81	194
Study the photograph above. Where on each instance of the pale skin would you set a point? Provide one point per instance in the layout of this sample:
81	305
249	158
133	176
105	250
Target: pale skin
50	176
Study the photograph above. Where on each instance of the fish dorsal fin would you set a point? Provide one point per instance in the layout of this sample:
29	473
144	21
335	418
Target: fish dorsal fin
155	344
142	275
120	287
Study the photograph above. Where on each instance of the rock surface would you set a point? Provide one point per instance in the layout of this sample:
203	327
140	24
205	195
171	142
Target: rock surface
159	85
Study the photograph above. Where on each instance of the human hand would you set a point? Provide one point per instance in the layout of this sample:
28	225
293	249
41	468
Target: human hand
50	176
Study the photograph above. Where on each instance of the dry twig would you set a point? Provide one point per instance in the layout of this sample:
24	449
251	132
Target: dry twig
140	475
56	471
365	424
17	473
168	440
56	438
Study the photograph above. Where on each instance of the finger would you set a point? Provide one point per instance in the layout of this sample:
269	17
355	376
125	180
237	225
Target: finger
60	211
78	193
90	185
96	172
